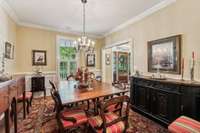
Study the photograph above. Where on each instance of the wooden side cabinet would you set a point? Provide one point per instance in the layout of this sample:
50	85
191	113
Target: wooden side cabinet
38	84
165	100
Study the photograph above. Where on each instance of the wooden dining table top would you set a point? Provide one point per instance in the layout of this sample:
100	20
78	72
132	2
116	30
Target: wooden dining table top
70	93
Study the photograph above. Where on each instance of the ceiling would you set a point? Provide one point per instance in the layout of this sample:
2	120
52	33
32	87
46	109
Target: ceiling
66	15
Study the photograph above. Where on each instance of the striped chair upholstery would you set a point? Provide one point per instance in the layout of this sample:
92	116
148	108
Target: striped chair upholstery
116	128
28	95
114	108
79	115
184	125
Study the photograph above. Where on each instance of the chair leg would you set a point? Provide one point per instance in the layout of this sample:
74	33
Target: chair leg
88	104
86	128
44	93
31	101
7	122
15	114
27	106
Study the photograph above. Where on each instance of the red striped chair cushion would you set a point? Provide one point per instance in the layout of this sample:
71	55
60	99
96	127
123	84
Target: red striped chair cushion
116	128
184	125
113	107
79	115
28	95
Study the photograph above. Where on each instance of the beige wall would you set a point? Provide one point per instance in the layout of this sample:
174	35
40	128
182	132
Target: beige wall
29	39
107	70
181	17
7	33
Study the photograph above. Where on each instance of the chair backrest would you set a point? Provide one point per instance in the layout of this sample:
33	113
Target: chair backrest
52	85
123	101
71	77
56	97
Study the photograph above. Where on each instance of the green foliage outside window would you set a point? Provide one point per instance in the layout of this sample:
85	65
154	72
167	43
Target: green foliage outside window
67	53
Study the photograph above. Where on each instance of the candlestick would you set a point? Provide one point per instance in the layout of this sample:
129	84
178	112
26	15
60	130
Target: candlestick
193	55
192	67
182	73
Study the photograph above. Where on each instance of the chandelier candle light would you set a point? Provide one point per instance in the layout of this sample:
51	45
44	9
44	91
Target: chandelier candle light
84	43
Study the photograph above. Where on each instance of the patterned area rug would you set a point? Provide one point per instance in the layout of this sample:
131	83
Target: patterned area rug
41	119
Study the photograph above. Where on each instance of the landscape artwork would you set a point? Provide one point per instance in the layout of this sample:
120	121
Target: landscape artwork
165	55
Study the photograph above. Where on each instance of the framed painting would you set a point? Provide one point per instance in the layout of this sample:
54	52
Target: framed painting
165	55
9	50
39	58
90	60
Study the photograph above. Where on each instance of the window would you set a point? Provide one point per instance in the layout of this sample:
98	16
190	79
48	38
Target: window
68	58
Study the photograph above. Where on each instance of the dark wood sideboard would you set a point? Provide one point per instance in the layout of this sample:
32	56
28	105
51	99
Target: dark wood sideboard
38	84
165	100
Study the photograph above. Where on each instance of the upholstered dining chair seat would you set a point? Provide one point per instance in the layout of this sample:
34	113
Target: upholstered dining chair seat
96	122
184	124
114	107
78	115
28	95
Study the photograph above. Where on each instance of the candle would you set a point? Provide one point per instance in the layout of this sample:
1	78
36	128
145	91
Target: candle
193	55
183	63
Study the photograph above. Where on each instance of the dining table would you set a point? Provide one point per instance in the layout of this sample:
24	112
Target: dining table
70	93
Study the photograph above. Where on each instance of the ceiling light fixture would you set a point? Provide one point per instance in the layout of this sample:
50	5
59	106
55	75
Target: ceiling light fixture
83	42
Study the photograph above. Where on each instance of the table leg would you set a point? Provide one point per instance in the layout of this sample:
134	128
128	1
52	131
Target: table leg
94	102
15	114
24	105
7	121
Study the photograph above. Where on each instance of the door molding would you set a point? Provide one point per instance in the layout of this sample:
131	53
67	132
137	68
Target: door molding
127	41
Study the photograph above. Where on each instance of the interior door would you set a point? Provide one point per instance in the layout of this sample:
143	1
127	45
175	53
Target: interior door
123	66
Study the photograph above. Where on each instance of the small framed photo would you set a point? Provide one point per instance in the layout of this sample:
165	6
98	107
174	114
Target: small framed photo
39	58
90	60
107	59
9	50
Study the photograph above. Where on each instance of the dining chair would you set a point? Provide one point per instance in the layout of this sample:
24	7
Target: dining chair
68	119
52	85
184	124
28	98
110	122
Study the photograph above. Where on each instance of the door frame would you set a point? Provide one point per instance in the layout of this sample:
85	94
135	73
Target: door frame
128	41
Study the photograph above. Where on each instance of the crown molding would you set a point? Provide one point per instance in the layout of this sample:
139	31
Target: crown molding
11	13
141	16
31	25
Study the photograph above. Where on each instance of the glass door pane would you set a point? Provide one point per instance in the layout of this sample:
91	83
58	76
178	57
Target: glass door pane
123	66
73	67
63	70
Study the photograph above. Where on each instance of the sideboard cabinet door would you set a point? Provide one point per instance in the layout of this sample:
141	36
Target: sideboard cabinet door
190	102
142	98
38	83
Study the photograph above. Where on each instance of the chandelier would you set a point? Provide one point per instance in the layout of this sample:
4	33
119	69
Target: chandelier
83	42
